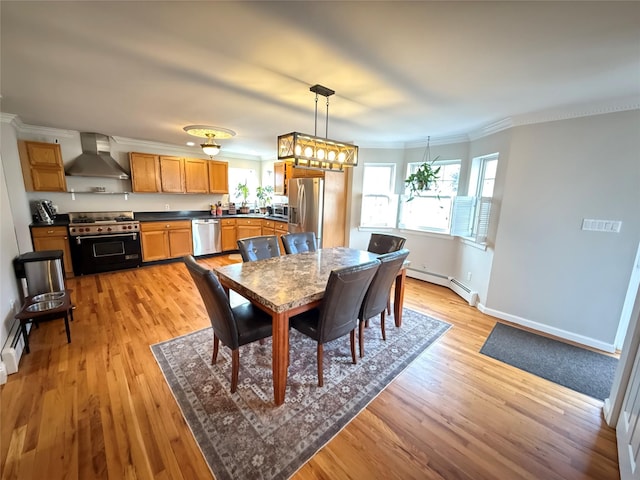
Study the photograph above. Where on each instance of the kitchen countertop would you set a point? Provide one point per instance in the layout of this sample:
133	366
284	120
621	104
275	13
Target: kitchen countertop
62	220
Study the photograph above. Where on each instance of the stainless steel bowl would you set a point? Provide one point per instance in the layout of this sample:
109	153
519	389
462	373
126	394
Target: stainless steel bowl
43	306
45	297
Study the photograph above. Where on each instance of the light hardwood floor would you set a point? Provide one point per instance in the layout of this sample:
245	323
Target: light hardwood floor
100	408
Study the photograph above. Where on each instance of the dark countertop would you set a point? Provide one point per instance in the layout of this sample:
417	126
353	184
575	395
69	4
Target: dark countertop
62	220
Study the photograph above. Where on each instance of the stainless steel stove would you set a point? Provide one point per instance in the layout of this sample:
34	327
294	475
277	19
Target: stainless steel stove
104	241
102	223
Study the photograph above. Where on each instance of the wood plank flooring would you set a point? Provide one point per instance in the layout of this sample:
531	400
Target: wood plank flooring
100	408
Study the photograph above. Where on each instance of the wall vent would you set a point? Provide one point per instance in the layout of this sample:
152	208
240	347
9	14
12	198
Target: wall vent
463	291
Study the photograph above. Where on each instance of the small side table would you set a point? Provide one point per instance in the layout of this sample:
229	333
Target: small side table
65	309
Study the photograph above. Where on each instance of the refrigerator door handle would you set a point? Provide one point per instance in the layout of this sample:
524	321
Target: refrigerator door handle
302	204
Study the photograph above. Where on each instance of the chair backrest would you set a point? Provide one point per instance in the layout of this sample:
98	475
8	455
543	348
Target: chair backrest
382	243
375	301
343	296
299	242
216	301
258	248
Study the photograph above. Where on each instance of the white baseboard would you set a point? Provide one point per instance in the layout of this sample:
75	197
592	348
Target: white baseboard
12	352
428	277
3	373
557	332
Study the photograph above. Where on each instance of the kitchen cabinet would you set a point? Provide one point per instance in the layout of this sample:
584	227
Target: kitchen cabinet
172	174
283	171
196	175
145	172
42	167
248	227
162	240
53	238
335	211
268	228
228	234
218	177
280	228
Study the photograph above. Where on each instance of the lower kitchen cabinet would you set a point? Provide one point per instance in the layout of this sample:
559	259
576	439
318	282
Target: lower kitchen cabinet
280	228
248	227
53	238
268	227
228	234
162	240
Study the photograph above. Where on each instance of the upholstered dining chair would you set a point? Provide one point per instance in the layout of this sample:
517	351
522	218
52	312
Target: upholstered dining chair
258	248
375	300
235	326
337	314
382	243
299	242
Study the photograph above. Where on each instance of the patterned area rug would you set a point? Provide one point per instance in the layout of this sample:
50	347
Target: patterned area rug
245	435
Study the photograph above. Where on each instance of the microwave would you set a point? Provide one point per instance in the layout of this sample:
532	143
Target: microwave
281	210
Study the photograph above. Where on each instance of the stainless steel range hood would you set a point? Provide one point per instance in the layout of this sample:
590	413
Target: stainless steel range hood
95	160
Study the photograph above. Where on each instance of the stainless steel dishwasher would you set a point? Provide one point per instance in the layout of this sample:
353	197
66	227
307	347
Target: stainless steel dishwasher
206	236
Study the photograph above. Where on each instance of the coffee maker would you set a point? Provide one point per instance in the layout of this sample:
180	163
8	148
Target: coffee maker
45	212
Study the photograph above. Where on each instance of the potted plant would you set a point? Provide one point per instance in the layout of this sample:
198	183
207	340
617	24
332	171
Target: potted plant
264	194
242	190
422	179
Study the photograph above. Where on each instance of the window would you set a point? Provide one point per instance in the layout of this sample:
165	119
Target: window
379	203
473	213
240	175
431	210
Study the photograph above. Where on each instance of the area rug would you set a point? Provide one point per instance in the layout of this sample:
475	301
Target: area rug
577	368
244	435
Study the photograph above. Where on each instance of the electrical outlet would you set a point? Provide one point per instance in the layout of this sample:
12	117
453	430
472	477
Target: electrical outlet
166	206
12	305
468	275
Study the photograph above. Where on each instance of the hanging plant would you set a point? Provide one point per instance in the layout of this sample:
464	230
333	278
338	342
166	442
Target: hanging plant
425	177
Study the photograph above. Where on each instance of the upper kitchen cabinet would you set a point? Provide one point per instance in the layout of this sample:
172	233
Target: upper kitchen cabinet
284	171
196	175
145	172
172	174
218	177
42	167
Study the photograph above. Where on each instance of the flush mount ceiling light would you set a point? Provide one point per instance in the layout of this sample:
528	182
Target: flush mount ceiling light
315	152
210	148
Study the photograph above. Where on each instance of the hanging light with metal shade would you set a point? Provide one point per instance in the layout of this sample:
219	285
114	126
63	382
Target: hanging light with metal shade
312	151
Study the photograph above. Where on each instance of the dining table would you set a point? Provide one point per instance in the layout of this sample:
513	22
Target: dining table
288	285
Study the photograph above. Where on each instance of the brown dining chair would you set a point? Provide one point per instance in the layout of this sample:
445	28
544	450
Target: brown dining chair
375	300
337	314
382	243
258	248
235	326
299	242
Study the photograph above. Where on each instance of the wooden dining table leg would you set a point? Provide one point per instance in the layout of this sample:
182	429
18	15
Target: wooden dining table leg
398	296
280	355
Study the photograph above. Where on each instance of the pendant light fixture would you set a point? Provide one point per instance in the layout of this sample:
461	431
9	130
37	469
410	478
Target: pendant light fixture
312	151
210	147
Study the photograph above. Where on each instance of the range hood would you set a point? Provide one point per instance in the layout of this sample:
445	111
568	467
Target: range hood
95	160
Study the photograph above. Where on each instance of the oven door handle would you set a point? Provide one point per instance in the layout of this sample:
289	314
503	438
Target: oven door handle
78	238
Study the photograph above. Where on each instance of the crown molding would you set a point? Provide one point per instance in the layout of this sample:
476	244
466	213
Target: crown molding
10	118
491	128
184	150
24	128
435	141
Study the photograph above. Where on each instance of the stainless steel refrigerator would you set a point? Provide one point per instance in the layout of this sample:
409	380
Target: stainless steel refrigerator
306	206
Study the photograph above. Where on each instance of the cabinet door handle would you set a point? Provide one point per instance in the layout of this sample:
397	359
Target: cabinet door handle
50	231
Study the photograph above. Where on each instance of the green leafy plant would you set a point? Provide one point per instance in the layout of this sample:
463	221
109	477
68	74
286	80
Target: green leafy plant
422	179
242	190
264	194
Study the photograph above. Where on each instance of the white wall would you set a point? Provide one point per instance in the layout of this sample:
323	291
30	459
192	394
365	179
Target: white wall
9	290
547	272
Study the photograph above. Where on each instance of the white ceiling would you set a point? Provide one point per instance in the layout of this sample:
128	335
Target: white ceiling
401	70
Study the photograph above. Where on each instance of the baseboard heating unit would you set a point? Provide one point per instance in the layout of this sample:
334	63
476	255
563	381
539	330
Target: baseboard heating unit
462	290
12	352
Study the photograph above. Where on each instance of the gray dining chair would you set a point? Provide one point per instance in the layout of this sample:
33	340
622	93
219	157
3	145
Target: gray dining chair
375	300
258	248
337	314
383	243
233	327
299	242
